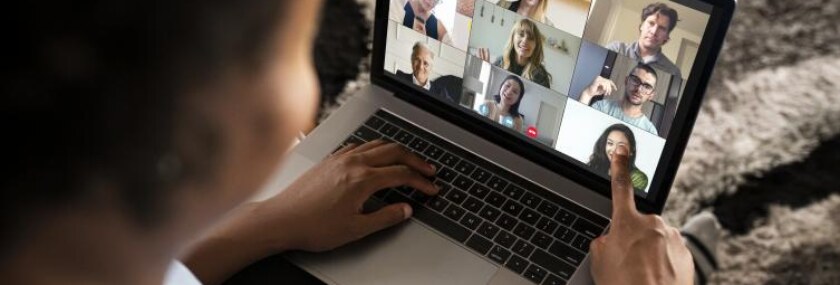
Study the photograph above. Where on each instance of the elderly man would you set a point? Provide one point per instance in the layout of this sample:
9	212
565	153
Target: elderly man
422	60
639	89
658	20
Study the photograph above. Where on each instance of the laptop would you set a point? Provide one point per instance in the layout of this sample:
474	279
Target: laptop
519	111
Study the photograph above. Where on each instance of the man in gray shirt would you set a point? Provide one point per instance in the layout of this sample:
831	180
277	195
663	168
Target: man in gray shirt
639	88
658	20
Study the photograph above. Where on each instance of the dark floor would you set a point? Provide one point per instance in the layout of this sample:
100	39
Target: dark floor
796	185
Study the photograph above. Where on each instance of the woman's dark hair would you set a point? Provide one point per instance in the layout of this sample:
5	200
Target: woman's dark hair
514	109
91	91
599	161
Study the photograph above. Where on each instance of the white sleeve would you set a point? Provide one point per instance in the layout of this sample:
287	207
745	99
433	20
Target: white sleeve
396	10
178	274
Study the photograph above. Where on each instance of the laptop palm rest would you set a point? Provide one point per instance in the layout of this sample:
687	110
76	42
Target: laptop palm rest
406	254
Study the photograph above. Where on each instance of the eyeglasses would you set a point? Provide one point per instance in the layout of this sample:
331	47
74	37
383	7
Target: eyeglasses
644	88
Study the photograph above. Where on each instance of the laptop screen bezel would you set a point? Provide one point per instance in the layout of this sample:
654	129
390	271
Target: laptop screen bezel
676	140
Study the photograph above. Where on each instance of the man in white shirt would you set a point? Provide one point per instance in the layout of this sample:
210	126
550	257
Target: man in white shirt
422	62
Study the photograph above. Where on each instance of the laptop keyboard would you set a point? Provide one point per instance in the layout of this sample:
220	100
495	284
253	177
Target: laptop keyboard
511	221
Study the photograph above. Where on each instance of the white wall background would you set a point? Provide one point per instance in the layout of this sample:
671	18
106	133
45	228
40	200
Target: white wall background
582	126
448	60
488	32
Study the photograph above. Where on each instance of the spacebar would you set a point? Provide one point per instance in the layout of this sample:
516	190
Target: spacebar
442	224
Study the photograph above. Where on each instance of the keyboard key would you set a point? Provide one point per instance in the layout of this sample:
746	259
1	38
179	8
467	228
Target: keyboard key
470	221
374	123
366	134
442	224
530	200
473	205
433	152
587	228
505	239
524	231
512	207
446	174
499	254
582	243
566	253
479	191
497	184
479	244
565	234
437	203
565	217
553	280
552	264
450	160
535	274
506	222
489	213
389	130
514	192
454	212
465	167
443	188
547	225
456	196
480	175
495	199
548	209
418	145
541	240
462	182
517	264
488	230
523	248
404	137
529	216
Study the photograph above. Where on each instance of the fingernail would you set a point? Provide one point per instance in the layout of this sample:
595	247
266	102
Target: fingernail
407	212
432	167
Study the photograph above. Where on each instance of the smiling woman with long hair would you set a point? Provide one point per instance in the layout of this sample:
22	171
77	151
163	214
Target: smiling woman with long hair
523	54
504	108
604	151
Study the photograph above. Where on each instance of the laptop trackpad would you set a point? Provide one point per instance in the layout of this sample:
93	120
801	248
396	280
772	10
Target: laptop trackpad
407	254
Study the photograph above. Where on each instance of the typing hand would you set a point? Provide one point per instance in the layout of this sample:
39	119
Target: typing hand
323	209
639	249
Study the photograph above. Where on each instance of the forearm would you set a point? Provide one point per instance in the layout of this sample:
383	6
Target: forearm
233	245
586	97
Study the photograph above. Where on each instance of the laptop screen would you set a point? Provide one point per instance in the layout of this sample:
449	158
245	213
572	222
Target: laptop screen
580	77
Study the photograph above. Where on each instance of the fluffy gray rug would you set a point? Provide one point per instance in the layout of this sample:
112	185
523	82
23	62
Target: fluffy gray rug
774	98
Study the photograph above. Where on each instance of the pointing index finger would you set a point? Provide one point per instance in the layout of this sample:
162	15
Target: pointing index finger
622	189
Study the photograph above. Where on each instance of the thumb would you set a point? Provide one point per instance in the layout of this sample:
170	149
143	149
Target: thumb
386	217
